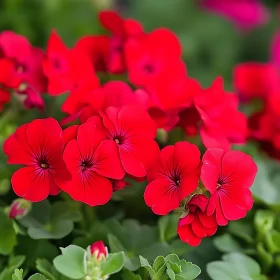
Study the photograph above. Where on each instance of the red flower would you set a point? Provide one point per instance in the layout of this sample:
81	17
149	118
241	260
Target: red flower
255	80
228	177
173	178
222	123
133	131
27	62
37	145
91	159
99	250
8	80
148	57
78	98
14	46
65	68
196	224
119	184
97	49
121	30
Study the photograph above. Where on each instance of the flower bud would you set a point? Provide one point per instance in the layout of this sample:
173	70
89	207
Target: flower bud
96	256
19	208
99	250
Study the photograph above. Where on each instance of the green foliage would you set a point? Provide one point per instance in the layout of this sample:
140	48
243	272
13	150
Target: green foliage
113	264
135	239
170	267
8	238
17	274
235	266
46	221
72	262
13	263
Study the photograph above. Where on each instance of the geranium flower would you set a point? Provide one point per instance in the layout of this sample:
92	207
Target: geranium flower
38	145
255	80
228	177
246	14
196	224
148	57
173	177
91	160
64	67
222	123
133	131
8	80
121	30
97	48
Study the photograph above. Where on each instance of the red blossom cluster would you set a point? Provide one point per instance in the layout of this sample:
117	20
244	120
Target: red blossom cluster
21	70
260	82
118	122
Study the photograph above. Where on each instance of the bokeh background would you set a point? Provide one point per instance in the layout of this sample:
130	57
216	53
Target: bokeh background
212	47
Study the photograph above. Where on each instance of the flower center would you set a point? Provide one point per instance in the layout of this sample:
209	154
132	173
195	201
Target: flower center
117	141
148	68
44	165
85	165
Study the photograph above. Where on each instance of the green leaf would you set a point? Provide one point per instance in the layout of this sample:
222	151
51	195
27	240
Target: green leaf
16	261
37	276
135	239
264	221
17	274
47	221
8	238
46	268
113	264
51	231
145	263
168	227
219	270
272	240
72	262
265	257
233	267
34	249
128	275
189	270
225	243
158	263
265	187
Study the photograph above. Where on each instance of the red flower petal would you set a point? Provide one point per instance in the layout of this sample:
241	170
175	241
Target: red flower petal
31	183
160	198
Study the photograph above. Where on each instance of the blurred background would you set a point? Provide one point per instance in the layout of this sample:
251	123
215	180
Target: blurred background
212	44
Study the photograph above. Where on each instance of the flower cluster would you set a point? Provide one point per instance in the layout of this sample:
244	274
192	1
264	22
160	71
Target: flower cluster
118	123
260	82
21	70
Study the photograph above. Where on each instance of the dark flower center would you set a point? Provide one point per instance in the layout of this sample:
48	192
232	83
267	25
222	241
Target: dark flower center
148	68
20	68
44	165
86	165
